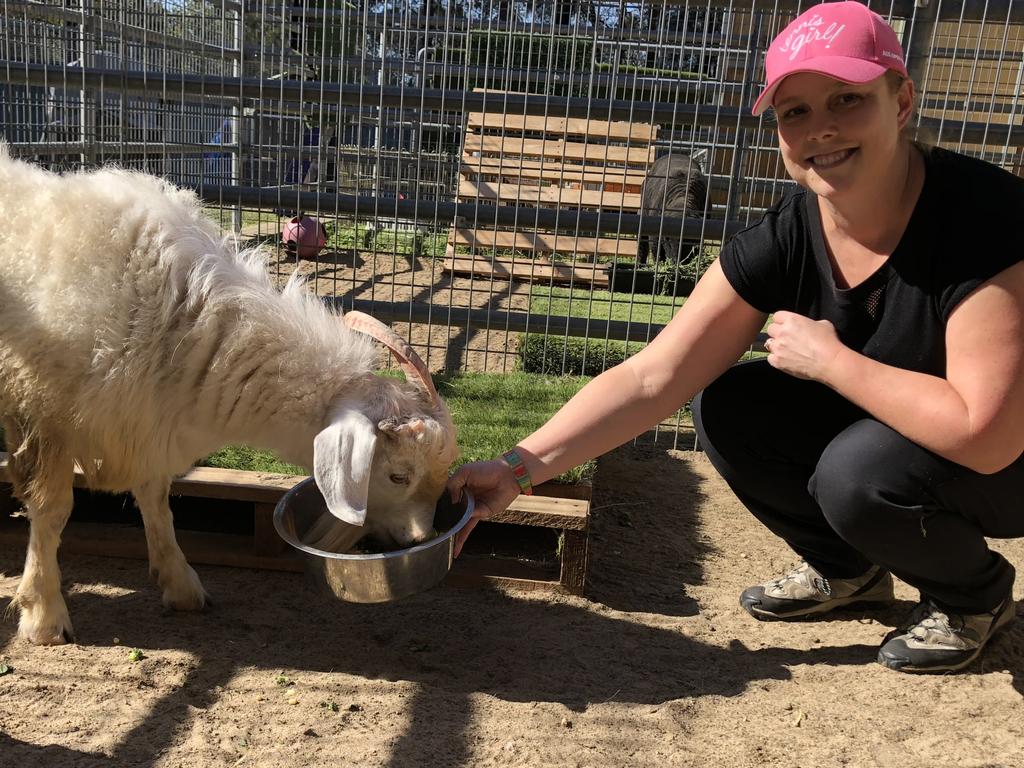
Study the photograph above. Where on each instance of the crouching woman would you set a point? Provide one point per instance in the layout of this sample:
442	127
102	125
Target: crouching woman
883	435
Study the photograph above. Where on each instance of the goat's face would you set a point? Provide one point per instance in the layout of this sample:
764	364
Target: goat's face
408	475
385	473
383	460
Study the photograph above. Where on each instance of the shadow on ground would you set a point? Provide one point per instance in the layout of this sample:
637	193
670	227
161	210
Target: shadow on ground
455	642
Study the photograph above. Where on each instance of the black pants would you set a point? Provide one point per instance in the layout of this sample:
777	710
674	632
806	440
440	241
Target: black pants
845	491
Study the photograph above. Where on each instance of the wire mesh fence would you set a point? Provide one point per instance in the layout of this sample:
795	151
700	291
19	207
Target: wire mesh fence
529	184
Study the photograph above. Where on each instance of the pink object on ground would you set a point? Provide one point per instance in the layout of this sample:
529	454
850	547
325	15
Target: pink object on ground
845	41
304	235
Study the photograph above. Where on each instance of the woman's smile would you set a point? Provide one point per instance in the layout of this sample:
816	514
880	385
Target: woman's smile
839	139
831	159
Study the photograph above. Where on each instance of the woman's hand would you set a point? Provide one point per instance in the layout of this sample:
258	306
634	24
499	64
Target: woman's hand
802	347
493	486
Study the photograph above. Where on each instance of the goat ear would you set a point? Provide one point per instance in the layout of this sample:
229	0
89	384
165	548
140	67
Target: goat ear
342	455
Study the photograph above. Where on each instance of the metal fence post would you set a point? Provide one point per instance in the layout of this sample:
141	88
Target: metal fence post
237	161
917	39
87	108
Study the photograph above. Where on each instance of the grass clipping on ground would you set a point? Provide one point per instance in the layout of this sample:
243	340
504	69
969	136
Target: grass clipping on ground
492	412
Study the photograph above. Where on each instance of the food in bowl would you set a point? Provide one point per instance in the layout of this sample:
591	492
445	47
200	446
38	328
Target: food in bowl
368	577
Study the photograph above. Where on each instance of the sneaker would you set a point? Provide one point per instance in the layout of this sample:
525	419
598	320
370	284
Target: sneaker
936	641
804	592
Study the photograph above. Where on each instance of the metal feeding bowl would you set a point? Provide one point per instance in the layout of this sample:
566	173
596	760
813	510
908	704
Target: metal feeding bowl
370	578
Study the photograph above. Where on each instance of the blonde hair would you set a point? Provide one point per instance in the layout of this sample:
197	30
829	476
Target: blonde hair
922	136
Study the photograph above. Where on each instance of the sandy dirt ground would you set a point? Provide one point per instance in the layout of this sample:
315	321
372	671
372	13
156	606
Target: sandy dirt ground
656	666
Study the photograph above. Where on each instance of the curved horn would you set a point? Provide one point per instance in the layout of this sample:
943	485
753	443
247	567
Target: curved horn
413	366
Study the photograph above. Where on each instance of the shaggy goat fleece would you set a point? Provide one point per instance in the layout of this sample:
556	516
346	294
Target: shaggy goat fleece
118	296
136	334
137	338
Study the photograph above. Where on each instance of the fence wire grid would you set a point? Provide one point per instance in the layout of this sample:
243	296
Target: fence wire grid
512	184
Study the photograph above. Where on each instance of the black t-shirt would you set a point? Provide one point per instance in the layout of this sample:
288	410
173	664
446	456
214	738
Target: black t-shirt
964	230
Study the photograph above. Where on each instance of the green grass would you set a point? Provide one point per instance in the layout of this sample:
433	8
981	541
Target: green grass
603	305
492	412
432	245
393	241
435	245
253	459
346	238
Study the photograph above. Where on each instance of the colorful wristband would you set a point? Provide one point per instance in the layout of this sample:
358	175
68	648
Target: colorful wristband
515	463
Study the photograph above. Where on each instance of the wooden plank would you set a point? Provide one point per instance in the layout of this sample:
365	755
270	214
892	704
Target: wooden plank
471	570
548	195
267	488
237	484
582	490
459	577
562	173
620	130
547	512
573	574
265	539
526	270
211	483
558	150
542	242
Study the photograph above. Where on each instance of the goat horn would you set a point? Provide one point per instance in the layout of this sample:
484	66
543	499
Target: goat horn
413	366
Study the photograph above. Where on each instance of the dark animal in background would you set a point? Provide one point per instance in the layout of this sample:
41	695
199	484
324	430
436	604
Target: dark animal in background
676	187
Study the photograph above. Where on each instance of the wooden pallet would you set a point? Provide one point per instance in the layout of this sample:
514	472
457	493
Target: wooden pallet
529	270
547	162
264	549
547	196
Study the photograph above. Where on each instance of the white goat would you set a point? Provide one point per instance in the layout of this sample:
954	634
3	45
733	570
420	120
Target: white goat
135	339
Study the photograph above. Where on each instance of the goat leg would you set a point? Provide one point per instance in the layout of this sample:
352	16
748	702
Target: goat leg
48	499
182	589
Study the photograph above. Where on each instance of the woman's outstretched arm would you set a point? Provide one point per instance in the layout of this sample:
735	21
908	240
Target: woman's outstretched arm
713	328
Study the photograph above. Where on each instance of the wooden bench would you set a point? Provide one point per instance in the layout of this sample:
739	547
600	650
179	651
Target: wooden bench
548	162
260	492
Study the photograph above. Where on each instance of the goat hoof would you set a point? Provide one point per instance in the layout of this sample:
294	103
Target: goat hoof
49	636
192	603
185	592
46	633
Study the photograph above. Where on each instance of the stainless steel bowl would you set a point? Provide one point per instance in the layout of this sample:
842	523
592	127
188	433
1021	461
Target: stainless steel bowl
370	578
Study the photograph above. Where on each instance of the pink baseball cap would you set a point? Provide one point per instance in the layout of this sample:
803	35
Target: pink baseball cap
846	41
